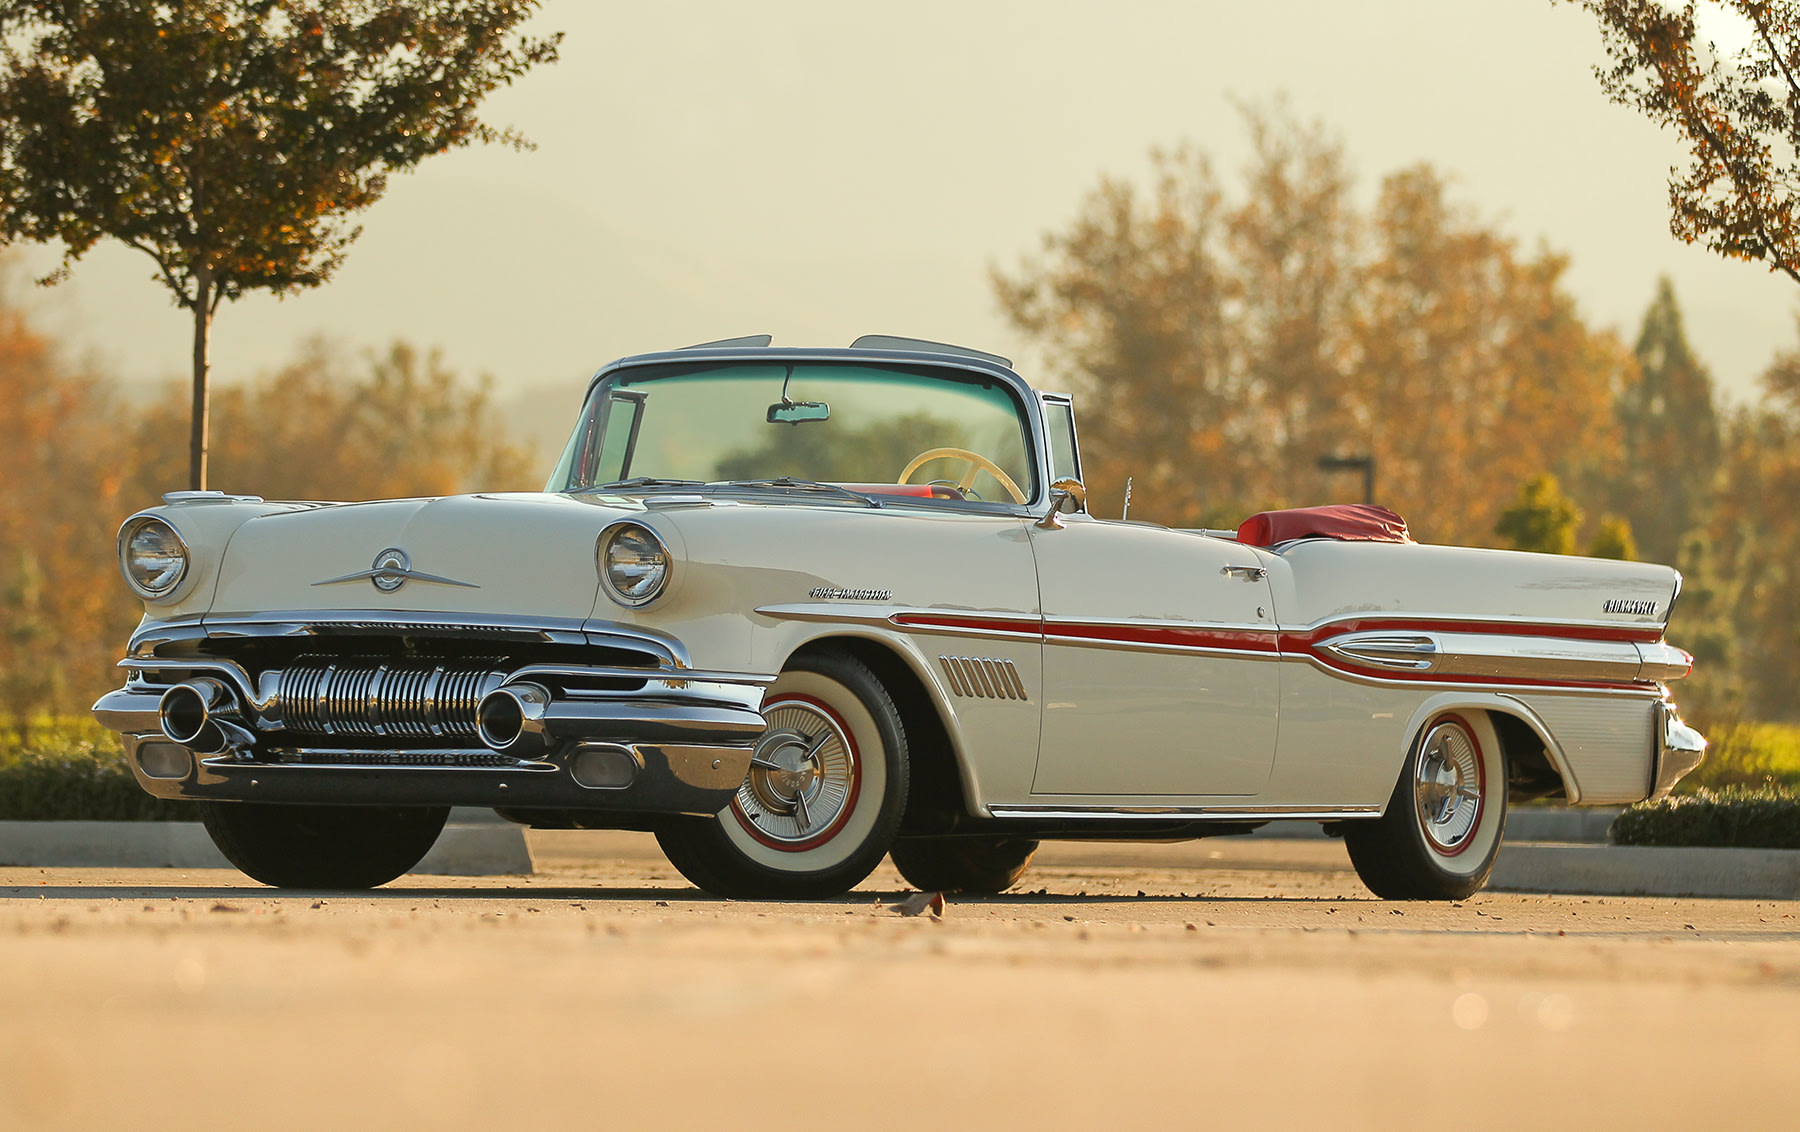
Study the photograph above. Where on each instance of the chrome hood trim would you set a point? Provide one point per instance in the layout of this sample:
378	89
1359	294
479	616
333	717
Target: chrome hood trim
154	636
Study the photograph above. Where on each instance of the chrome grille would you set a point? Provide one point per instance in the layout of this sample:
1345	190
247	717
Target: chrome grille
321	695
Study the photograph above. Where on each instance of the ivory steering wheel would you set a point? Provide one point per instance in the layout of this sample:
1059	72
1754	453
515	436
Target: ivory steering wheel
977	463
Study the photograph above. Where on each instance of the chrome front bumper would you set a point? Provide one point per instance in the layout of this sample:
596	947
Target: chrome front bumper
668	740
668	778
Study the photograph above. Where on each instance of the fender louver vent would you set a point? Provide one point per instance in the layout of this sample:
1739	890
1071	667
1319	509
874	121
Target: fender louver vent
983	677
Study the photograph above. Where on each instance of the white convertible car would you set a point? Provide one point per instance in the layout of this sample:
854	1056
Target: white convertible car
795	609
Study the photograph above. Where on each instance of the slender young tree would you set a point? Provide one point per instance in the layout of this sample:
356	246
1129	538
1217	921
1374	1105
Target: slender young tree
232	140
1738	108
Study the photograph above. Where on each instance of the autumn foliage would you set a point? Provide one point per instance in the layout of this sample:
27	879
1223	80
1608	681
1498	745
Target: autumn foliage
1737	110
1223	341
1222	345
78	459
1222	336
234	141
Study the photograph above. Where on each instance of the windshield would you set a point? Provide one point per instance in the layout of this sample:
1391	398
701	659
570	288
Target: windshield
877	430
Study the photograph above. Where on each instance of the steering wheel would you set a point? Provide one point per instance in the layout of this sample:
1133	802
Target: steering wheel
977	463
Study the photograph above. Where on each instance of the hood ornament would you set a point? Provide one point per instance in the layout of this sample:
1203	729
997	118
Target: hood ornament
391	570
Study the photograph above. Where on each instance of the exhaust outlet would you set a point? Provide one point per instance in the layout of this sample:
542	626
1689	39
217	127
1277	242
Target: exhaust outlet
204	715
512	719
526	720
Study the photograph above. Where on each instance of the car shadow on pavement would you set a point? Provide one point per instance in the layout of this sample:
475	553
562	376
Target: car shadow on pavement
577	895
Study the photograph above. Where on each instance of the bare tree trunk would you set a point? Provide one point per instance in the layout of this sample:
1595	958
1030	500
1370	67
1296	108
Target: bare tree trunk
203	312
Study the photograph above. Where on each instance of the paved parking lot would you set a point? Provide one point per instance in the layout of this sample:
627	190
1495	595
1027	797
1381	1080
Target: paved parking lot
1225	980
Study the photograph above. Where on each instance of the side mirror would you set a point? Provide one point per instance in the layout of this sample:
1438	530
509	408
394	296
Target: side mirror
1065	495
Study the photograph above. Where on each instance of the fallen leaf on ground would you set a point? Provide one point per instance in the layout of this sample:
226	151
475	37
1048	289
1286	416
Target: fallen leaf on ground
918	902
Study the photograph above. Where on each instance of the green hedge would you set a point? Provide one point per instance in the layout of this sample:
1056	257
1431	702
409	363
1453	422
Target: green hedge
1737	817
1747	754
73	770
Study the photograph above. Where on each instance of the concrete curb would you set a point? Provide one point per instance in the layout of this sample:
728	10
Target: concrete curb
488	849
1640	870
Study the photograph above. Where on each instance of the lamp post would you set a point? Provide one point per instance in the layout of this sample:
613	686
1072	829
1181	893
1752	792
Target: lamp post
1363	464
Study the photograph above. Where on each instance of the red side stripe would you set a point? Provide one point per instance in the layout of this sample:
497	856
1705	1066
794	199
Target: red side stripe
1297	644
1231	640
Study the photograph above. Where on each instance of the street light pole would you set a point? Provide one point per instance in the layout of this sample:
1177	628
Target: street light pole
1363	464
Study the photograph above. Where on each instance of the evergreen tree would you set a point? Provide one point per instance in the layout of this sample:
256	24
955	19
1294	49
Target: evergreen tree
1671	433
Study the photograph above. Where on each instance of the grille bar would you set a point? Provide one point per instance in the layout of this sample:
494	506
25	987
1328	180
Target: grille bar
323	695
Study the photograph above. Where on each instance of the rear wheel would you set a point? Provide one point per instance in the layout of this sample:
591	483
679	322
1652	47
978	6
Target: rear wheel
292	846
1442	829
986	865
823	797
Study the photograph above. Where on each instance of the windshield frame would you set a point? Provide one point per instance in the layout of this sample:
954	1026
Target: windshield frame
958	369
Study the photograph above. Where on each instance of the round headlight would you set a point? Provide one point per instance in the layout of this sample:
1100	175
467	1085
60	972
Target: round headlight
152	557
634	564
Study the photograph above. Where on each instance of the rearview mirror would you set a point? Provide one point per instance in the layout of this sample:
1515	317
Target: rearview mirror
798	412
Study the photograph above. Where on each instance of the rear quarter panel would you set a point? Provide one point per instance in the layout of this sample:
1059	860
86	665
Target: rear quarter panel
1347	735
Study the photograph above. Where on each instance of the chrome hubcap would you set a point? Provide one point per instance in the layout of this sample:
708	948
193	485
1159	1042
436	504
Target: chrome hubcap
1447	786
802	776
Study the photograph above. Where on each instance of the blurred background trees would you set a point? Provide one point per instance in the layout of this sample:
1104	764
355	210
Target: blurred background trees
333	426
1224	338
77	458
1222	344
232	141
1223	335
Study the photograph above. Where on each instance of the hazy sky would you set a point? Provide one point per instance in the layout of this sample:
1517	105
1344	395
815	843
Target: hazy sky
821	170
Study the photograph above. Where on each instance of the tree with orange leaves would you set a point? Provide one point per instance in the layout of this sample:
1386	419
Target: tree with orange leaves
1222	347
1738	110
231	141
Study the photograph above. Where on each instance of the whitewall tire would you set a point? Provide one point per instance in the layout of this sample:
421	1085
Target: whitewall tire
1443	825
823	798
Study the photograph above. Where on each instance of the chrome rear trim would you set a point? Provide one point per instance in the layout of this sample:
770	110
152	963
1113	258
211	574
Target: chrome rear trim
1679	750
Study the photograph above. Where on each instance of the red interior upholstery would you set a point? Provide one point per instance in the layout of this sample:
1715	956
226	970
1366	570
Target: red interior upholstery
1357	522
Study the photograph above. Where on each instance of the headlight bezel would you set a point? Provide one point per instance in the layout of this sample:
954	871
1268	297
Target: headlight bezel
603	550
135	526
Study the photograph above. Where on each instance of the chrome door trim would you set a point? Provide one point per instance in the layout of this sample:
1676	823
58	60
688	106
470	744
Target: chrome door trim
1153	813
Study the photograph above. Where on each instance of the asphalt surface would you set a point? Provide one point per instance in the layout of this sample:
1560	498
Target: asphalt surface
1235	980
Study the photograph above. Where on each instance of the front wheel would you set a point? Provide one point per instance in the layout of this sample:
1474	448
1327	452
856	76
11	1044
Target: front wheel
291	846
823	798
1441	832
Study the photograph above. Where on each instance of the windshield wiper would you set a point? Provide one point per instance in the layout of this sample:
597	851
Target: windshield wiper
644	481
808	485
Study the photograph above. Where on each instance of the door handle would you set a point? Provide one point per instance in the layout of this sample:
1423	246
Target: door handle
1248	573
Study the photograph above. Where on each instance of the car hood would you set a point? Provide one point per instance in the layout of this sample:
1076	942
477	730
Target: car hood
522	555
